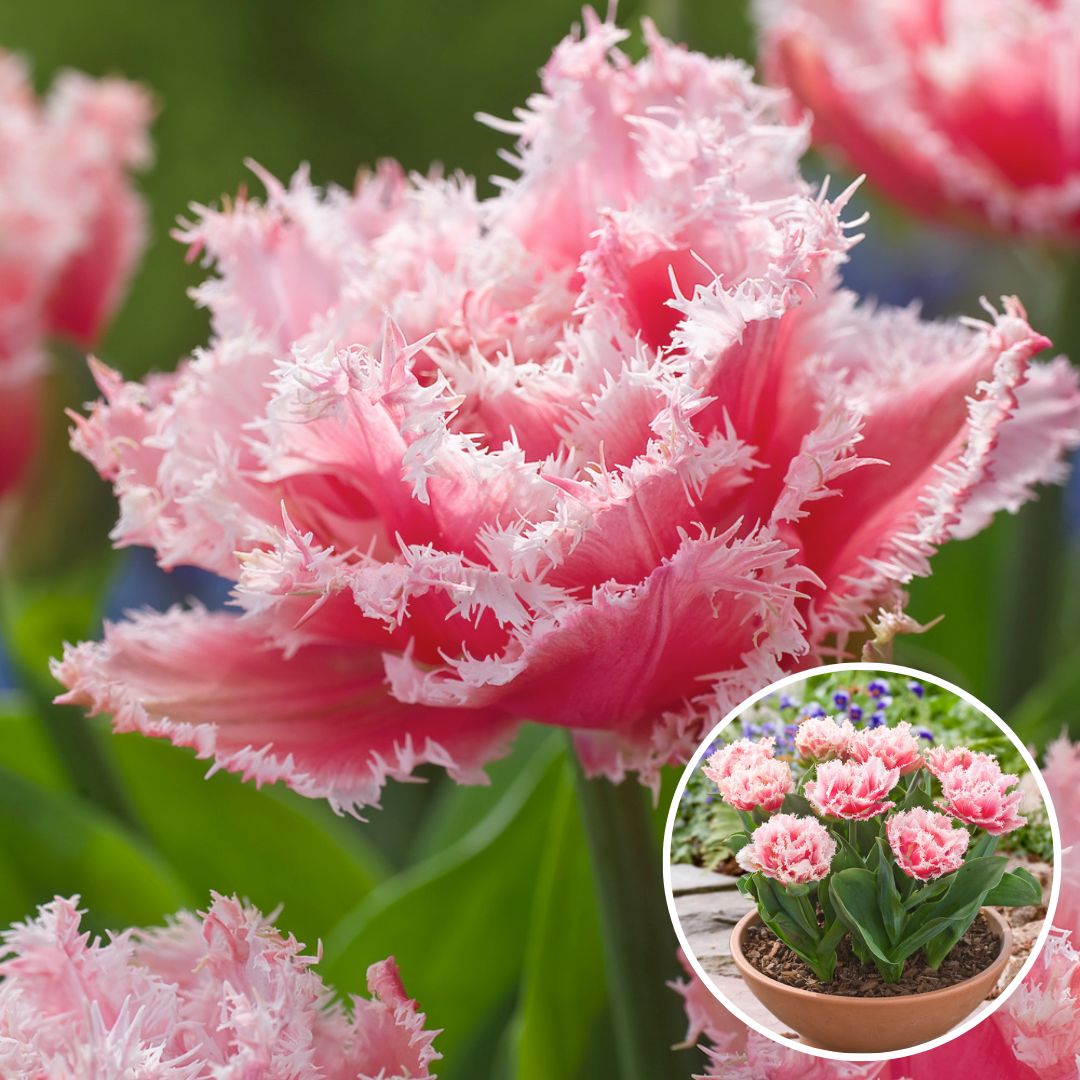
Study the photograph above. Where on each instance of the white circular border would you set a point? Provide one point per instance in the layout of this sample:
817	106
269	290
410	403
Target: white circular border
976	1017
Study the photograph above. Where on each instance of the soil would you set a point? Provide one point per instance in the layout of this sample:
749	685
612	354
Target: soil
976	950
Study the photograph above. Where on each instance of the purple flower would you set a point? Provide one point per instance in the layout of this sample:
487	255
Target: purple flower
877	720
786	702
841	699
916	688
855	714
877	687
925	733
813	710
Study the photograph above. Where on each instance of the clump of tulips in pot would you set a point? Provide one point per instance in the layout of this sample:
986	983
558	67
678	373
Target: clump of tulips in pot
864	834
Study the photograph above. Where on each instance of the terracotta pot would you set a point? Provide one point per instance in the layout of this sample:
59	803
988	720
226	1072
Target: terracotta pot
865	1025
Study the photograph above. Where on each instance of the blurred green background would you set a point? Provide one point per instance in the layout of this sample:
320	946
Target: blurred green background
485	895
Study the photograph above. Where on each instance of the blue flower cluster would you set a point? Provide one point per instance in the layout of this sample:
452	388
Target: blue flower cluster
870	713
784	734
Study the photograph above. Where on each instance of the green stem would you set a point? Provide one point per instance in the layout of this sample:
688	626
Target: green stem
639	946
1042	571
77	746
73	738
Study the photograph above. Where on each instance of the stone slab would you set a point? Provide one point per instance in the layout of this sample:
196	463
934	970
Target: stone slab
687	879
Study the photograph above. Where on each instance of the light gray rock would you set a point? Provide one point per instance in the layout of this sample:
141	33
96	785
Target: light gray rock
687	879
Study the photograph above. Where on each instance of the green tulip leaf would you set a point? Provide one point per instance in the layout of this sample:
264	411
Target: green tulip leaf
1017	888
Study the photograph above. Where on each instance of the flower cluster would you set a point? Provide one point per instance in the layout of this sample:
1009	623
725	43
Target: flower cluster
870	704
591	472
221	994
71	227
965	110
871	794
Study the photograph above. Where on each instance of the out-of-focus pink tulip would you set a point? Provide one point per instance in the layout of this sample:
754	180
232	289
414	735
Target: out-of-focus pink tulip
962	109
624	453
219	994
71	228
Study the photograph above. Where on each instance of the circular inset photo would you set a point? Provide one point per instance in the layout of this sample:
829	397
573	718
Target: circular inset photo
860	861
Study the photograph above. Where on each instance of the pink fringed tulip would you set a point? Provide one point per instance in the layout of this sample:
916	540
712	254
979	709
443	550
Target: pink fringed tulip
71	228
764	1059
963	109
855	790
895	746
789	849
821	737
1042	1019
1061	771
979	794
762	783
220	995
705	1015
740	754
926	844
625	453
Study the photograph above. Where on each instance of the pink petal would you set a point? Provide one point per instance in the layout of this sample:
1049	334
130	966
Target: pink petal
716	602
889	519
336	734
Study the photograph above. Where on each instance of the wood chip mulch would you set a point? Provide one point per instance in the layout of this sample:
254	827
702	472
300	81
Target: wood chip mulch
976	950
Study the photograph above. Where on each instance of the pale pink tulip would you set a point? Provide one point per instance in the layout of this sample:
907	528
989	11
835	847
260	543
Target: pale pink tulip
221	994
896	747
855	790
625	454
790	849
979	794
71	228
1061	771
961	109
762	783
942	759
705	1015
926	844
821	737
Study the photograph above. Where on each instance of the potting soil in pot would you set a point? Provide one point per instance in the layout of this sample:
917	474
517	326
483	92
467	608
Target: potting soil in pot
976	950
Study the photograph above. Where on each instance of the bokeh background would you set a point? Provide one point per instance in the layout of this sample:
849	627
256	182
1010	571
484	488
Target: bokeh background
484	895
